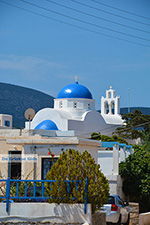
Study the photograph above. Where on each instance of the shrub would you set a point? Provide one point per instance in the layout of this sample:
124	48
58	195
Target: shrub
136	173
73	165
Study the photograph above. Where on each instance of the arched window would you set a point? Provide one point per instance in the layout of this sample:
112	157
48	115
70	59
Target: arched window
113	108
109	94
106	108
60	104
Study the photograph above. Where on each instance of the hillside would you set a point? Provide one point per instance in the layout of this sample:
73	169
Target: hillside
14	100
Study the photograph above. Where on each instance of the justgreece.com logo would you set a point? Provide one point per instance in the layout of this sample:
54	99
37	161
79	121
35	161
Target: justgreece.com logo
18	158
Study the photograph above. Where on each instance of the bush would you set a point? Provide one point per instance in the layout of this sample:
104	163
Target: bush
73	165
136	173
113	138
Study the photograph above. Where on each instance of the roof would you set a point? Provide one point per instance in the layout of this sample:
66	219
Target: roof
75	90
47	125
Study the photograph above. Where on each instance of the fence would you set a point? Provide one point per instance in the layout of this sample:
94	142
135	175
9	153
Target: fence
37	193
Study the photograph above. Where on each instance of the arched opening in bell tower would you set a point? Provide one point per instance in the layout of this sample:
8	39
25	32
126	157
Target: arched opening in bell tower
112	107
106	108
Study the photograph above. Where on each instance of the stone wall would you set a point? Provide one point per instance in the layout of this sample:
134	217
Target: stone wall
144	218
134	215
38	223
99	218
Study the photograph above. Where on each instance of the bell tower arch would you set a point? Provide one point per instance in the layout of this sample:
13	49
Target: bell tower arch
110	105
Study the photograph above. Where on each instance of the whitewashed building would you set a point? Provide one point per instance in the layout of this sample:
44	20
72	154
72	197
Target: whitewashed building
74	109
67	125
5	121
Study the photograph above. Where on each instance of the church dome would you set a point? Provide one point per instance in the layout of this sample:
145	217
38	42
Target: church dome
75	90
46	125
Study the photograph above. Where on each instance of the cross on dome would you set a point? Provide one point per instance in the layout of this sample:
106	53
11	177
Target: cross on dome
76	78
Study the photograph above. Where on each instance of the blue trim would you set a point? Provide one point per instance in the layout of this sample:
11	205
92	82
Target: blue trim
86	194
8	195
128	146
31	192
111	144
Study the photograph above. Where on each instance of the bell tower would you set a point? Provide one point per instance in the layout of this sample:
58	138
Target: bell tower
110	105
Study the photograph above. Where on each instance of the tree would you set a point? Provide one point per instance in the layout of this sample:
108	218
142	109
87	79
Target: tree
146	141
136	175
73	165
114	138
136	125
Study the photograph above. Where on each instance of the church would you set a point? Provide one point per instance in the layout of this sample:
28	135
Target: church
74	109
66	126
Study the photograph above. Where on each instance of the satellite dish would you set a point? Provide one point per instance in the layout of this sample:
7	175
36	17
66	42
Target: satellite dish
29	114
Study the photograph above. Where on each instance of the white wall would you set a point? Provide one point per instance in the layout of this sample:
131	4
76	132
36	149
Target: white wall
115	185
45	212
105	160
42	151
3	118
61	119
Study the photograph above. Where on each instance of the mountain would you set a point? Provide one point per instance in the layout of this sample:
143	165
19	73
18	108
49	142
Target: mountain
14	100
144	110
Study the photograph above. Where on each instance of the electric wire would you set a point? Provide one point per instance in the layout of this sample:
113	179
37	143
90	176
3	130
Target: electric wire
73	25
85	22
139	125
121	10
97	17
110	13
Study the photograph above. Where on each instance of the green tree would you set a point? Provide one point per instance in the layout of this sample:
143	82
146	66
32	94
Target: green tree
136	175
73	165
137	125
146	141
113	138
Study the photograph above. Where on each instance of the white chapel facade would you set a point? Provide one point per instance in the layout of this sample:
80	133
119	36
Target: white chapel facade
74	109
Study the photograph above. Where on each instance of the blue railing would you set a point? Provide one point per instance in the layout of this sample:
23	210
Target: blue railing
29	190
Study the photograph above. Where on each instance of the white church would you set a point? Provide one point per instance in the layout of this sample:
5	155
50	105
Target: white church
66	126
74	109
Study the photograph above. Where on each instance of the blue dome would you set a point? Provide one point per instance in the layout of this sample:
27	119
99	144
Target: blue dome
46	125
75	91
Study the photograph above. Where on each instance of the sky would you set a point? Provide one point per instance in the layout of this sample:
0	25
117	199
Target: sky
45	44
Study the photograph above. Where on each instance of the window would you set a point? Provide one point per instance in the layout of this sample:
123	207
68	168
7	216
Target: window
60	104
106	108
110	200
113	108
46	166
109	94
7	123
14	166
75	105
120	202
89	107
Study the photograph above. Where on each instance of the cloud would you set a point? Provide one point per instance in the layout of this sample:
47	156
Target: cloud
26	63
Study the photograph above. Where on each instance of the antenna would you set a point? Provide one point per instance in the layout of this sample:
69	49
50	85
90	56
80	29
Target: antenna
29	114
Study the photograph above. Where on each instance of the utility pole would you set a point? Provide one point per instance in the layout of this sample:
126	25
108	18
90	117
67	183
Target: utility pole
129	99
